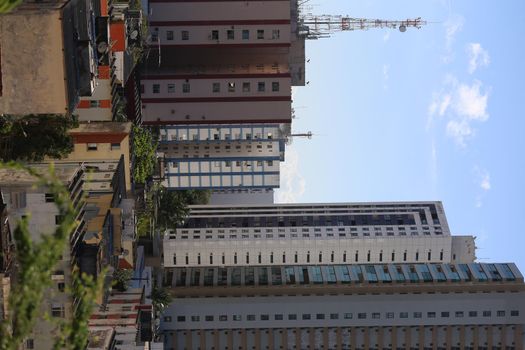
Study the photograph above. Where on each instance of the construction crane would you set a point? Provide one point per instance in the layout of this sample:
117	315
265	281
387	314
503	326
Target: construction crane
316	27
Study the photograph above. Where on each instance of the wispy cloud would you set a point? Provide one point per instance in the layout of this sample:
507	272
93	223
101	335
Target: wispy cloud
482	179
453	26
478	57
293	184
386	37
462	104
386	75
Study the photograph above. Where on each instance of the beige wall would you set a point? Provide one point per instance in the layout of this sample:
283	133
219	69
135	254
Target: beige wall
33	76
226	10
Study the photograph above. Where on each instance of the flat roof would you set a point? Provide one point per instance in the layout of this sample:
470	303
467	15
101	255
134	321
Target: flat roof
64	172
102	127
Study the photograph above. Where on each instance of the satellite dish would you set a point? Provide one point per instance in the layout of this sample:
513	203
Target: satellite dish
134	35
402	28
102	47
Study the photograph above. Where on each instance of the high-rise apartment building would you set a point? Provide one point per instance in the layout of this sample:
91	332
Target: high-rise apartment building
375	306
220	73
309	234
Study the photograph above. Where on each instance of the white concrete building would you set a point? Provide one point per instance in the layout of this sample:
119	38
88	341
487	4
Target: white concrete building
402	232
232	156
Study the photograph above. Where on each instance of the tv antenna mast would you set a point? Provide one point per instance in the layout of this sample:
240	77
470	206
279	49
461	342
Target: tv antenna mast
323	26
308	135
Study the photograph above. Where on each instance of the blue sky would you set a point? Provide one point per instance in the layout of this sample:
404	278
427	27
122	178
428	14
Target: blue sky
430	114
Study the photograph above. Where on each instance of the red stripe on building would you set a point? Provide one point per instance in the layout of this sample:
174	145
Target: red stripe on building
222	46
219	22
103	72
98	137
217	99
103	7
117	34
229	121
104	103
84	104
215	76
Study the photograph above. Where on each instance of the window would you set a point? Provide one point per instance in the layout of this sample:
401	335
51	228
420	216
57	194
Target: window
208	318
403	315
237	317
50	198
169	35
231	87
500	313
186	88
181	318
348	316
167	318
115	146
260	33
275	86
30	344
245	34
445	314
216	87
265	317
319	316
334	316
61	287
250	317
57	310
223	318
270	163
91	146
389	315
246	87
459	313
376	315
514	313
431	314
418	315
276	34
94	103
472	314
58	219
214	35
487	313
195	318
306	316
171	88
155	36
261	86
230	34
185	35
278	317
361	315
156	88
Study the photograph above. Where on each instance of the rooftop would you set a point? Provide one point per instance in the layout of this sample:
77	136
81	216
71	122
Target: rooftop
64	172
102	127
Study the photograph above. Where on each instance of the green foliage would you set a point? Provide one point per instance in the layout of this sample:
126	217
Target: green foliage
173	205
35	136
8	5
121	278
161	298
144	151
35	262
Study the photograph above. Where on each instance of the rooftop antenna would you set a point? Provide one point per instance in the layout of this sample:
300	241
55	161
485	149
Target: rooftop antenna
308	135
323	26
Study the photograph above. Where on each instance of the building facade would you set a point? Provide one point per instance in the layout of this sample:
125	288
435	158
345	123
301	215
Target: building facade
388	306
221	156
401	232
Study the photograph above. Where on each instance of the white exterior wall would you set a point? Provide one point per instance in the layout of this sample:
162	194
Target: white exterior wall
202	88
379	249
202	35
102	92
209	112
219	11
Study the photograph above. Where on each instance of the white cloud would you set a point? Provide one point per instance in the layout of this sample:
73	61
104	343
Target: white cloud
462	104
386	75
292	185
386	37
453	25
478	57
482	179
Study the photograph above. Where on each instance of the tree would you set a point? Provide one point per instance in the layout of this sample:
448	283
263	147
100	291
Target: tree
121	278
8	5
35	136
173	205
35	262
161	298
144	151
